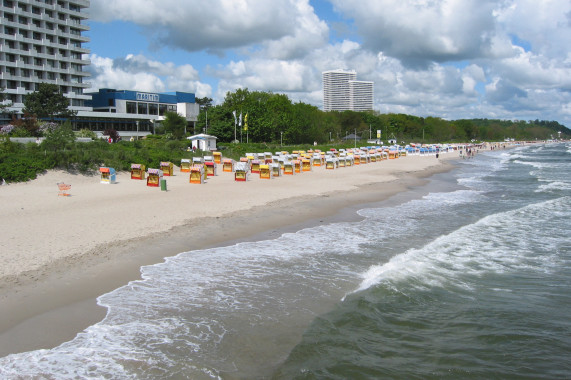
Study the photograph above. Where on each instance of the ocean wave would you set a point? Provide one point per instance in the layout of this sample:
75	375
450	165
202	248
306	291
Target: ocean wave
537	165
505	241
553	186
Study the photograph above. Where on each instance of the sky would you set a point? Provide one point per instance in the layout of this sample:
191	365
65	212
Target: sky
454	59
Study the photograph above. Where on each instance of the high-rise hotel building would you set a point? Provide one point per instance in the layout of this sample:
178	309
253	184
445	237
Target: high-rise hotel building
41	41
342	91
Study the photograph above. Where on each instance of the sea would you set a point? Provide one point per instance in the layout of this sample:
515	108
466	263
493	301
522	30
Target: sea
466	277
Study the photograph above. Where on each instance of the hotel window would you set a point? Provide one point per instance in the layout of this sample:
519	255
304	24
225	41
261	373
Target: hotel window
162	109
25	60
9	30
36	10
142	109
37	23
49	26
153	109
49	13
51	76
9	17
11	71
63	65
23	33
8	4
23	20
37	36
11	84
23	7
11	44
171	108
131	107
24	46
25	73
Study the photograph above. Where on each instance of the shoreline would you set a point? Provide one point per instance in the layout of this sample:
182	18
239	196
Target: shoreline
51	305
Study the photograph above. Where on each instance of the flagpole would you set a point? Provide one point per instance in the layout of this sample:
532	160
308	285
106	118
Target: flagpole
234	113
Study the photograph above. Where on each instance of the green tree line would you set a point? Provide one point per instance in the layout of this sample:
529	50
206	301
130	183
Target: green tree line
275	118
273	123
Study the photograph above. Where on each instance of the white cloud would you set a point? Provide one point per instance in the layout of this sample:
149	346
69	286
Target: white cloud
141	74
448	58
195	25
420	31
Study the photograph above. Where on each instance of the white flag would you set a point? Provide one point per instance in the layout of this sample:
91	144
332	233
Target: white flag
234	113
240	122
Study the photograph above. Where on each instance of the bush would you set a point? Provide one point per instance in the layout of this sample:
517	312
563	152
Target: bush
86	133
20	167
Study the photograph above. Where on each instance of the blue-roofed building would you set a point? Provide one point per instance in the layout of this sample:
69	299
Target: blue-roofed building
135	113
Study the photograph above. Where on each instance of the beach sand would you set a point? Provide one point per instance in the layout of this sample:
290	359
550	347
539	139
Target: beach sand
59	253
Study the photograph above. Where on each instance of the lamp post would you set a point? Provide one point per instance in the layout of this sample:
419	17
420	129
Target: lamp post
281	138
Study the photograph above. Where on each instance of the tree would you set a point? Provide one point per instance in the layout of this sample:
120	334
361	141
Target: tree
48	103
204	103
175	124
27	122
61	138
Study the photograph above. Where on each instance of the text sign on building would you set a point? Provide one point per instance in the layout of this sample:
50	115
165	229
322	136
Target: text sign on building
147	97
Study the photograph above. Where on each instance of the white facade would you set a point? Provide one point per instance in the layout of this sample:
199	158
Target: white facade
342	91
41	41
336	95
189	111
360	95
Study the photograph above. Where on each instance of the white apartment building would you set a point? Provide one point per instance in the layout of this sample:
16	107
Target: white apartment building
41	41
342	91
360	95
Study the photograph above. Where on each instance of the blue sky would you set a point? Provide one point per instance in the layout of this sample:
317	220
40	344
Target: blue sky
454	59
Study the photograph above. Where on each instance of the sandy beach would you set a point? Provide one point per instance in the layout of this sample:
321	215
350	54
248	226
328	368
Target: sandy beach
59	253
